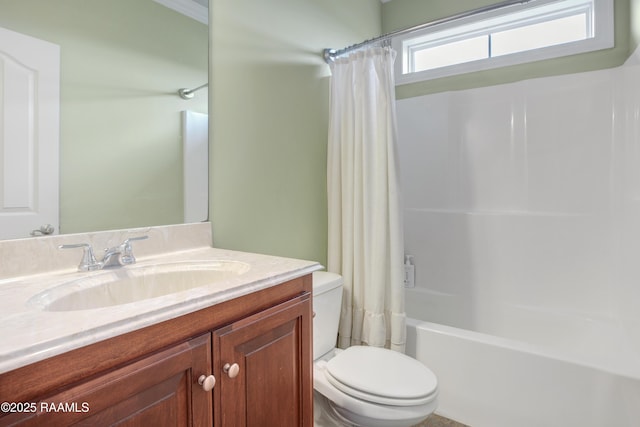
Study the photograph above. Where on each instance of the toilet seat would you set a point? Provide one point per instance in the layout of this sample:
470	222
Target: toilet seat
381	376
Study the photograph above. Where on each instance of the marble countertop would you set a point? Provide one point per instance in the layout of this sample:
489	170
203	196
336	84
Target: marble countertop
30	334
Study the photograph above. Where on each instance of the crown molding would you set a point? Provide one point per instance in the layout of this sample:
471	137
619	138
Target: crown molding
188	8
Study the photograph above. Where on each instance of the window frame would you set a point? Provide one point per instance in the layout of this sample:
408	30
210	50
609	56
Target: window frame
602	28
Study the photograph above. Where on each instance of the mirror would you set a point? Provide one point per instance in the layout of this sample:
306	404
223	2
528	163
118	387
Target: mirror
122	63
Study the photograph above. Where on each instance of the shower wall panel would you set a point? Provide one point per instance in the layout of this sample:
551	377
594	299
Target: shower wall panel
525	194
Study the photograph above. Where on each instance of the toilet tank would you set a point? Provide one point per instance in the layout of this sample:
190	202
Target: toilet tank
327	304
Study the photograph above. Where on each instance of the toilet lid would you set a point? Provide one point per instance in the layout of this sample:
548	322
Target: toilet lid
381	376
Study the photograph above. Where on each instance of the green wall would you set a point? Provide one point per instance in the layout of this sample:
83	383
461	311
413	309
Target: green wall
398	14
122	63
269	103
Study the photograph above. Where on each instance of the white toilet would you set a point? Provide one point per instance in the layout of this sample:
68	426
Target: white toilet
363	386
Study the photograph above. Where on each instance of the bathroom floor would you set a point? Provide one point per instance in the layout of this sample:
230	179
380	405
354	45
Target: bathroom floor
324	417
438	421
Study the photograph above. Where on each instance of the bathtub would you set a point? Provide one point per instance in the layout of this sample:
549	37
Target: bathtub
563	369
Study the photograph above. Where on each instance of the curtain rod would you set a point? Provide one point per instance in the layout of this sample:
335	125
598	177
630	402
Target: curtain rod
188	93
331	54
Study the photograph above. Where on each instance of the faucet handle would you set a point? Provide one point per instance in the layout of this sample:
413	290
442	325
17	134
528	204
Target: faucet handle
127	257
89	261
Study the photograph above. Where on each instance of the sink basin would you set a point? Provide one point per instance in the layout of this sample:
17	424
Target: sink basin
136	283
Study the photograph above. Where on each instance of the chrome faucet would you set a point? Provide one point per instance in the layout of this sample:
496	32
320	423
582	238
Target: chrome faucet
116	256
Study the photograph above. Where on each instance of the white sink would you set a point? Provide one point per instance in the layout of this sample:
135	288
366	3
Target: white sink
136	283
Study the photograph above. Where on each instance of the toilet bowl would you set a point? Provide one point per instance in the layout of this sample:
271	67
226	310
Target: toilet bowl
364	386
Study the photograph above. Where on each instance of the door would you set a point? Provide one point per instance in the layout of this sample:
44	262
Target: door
264	369
29	134
159	390
195	157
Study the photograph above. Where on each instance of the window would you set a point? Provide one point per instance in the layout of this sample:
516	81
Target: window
541	29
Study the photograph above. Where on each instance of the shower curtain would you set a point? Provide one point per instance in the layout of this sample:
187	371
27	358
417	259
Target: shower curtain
365	221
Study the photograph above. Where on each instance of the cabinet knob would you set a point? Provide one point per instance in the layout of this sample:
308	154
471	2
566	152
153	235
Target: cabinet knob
207	382
231	370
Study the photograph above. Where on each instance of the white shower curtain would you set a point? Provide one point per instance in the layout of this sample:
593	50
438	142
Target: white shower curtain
365	222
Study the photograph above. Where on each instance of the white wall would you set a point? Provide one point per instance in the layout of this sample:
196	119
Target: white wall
526	194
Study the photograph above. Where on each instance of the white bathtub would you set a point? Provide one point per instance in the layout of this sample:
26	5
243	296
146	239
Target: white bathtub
562	370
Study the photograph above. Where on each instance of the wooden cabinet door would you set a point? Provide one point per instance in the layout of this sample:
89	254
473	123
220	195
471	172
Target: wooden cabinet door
159	390
273	353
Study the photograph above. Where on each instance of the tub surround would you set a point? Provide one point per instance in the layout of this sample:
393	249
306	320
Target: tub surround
522	215
30	266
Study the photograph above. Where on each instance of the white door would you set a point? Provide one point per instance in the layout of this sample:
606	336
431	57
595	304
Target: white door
195	149
29	134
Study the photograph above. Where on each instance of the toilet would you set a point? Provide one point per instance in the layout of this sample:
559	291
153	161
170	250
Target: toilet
362	386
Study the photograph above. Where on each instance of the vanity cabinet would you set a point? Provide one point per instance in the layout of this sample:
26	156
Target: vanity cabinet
258	348
260	364
156	390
